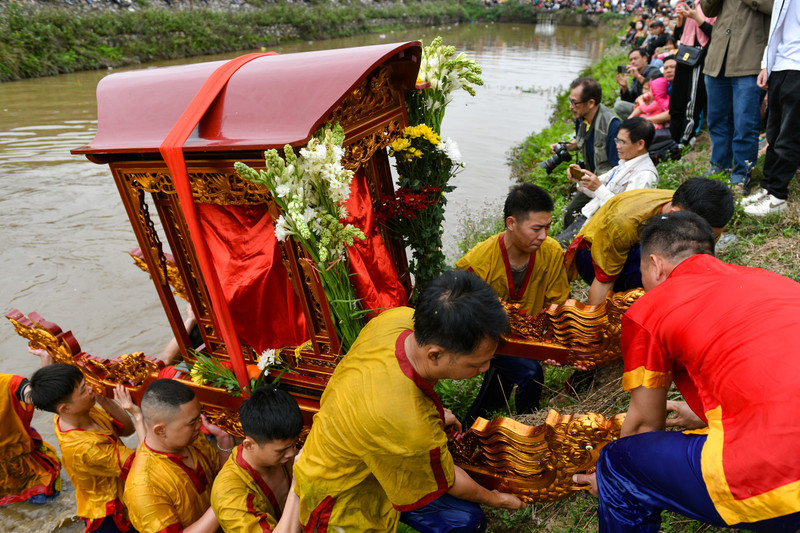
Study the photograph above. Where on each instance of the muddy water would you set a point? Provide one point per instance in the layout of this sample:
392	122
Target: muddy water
64	234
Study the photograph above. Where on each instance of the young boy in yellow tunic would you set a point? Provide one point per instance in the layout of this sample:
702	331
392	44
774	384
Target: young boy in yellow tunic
378	446
523	266
254	491
169	486
88	428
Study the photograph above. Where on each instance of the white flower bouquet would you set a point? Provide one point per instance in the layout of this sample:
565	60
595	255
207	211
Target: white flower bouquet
441	73
311	190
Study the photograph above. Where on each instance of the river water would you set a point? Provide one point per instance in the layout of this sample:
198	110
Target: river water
64	234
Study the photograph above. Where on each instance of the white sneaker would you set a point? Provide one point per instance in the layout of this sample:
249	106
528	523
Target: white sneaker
766	205
754	197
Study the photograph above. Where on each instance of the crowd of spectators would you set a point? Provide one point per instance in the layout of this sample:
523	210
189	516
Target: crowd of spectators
707	63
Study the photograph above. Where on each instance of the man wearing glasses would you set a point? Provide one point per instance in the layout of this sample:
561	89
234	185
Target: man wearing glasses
596	127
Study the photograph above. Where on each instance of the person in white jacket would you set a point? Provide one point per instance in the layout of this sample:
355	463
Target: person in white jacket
635	171
780	76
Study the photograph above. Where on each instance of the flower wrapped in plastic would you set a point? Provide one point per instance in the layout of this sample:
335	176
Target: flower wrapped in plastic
441	73
311	189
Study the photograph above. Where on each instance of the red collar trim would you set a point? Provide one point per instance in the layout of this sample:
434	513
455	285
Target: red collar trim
197	476
516	294
241	461
408	370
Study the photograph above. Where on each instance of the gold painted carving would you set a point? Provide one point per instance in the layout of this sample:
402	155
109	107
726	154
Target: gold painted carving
227	419
590	334
534	463
373	97
361	150
209	185
173	276
128	369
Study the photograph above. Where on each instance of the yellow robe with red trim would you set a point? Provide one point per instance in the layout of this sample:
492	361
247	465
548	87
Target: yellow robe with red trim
28	465
377	446
694	329
162	494
547	283
97	463
614	229
241	499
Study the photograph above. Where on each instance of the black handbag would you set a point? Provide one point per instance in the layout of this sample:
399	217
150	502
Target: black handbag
689	55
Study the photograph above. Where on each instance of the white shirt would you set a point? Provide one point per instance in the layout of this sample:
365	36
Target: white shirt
783	49
637	173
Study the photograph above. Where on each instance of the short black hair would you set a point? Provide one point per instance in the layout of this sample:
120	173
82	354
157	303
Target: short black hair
639	129
53	384
590	89
677	235
642	52
457	311
709	198
165	395
270	414
671	39
526	198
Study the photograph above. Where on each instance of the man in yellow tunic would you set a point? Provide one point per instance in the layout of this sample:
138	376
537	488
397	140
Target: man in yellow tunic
89	437
526	267
29	467
169	486
254	491
378	445
606	251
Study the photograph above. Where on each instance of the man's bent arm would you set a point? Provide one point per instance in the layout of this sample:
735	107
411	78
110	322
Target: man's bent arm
205	524
647	411
466	488
598	291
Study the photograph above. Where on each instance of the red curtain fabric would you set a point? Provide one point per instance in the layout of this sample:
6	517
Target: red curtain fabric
374	274
265	310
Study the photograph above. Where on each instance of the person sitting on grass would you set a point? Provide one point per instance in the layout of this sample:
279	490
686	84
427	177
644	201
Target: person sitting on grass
526	267
29	467
254	491
169	484
635	171
690	328
88	428
606	251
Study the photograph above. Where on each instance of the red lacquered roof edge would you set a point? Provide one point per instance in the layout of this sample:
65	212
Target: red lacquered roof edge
271	101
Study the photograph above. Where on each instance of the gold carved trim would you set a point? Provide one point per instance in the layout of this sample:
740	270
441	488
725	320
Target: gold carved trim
534	463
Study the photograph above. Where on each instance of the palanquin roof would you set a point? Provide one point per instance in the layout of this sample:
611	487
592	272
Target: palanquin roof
271	101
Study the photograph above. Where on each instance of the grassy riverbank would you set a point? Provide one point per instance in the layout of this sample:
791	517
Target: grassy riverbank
43	39
772	243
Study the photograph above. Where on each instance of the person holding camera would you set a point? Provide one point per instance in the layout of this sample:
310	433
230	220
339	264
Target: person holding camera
639	69
596	127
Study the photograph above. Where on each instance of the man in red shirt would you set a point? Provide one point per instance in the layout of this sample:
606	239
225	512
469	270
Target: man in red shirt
726	335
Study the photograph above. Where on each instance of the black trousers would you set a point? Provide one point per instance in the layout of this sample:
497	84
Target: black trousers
687	101
783	152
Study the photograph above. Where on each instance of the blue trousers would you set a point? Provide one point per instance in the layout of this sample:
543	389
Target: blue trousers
498	382
629	278
734	122
446	514
641	475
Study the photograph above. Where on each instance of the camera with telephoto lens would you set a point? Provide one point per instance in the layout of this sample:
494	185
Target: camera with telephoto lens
560	155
